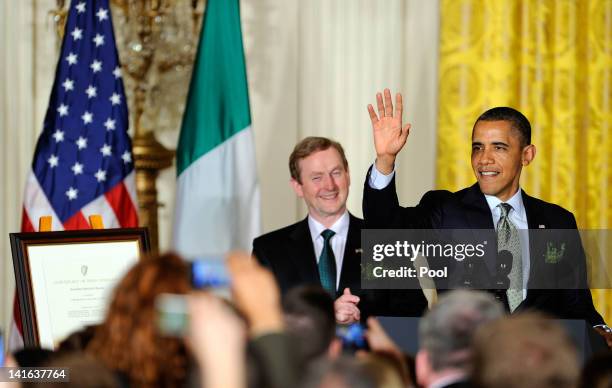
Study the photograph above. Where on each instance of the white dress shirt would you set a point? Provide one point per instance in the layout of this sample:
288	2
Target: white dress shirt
378	180
338	240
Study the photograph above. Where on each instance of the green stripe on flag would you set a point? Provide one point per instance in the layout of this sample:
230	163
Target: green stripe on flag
218	102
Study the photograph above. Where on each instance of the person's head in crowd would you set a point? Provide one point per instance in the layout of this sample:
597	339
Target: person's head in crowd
385	368
128	341
29	357
384	347
320	175
309	318
525	350
597	373
446	332
78	340
343	372
83	371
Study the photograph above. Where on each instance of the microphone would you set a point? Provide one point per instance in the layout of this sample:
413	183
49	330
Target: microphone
501	281
468	274
503	266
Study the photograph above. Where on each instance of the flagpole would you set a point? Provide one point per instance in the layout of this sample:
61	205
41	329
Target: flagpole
150	157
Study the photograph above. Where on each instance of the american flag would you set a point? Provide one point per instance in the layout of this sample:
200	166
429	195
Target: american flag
83	160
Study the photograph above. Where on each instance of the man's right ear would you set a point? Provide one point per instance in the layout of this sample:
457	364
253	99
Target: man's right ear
297	187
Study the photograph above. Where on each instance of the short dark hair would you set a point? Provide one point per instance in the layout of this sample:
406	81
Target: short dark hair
309	146
32	356
309	316
517	121
77	340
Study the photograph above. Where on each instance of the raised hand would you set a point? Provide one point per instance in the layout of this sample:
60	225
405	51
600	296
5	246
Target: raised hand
379	340
389	135
261	308
217	339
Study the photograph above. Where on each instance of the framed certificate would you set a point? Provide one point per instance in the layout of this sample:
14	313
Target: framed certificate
65	279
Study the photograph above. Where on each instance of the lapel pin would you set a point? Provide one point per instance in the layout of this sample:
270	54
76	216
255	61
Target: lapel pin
359	250
541	226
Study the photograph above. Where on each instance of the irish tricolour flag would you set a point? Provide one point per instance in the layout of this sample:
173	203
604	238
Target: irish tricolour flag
217	205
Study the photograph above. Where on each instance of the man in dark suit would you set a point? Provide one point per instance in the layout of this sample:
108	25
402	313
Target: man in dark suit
501	146
324	248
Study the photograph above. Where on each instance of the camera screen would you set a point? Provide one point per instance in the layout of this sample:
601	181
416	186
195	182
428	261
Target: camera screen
209	273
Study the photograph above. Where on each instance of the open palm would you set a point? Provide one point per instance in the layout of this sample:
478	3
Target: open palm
389	135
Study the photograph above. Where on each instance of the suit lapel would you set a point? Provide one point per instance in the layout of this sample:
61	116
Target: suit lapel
351	262
476	209
303	254
534	218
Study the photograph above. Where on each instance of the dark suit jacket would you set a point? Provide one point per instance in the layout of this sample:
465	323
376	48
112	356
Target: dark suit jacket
290	254
468	209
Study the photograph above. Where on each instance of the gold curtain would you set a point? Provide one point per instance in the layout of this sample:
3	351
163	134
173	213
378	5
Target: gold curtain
552	60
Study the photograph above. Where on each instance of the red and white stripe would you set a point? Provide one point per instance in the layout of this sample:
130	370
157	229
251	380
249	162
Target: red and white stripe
117	207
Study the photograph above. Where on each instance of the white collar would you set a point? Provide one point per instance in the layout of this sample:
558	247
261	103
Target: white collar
341	226
516	201
452	378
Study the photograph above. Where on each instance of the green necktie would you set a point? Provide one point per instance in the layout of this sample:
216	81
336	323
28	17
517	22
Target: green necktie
327	263
508	239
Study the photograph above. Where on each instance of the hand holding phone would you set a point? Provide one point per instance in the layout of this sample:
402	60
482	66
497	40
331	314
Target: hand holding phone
172	314
209	273
255	294
352	337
